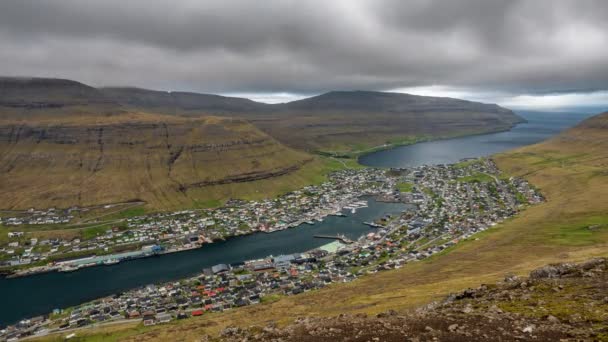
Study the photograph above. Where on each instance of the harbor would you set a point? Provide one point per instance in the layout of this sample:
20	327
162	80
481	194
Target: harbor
76	286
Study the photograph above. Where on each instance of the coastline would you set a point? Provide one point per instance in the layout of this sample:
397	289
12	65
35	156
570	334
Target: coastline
415	140
8	274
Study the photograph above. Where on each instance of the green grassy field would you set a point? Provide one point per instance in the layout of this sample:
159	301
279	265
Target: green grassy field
405	187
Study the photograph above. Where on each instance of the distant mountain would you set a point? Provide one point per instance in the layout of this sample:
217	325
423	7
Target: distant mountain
342	101
337	120
24	94
366	101
179	102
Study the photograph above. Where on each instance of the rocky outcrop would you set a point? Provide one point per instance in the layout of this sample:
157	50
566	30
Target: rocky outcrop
556	303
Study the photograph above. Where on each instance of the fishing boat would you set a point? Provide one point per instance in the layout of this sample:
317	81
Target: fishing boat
112	261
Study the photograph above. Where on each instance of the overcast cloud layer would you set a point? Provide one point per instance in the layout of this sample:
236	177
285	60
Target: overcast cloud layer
282	49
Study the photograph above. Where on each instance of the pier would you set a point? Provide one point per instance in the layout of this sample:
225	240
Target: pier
342	238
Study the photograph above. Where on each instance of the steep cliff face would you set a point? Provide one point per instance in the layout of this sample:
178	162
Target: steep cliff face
147	157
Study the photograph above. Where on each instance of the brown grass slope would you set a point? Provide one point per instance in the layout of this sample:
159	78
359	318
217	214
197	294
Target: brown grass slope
63	143
169	162
561	301
570	170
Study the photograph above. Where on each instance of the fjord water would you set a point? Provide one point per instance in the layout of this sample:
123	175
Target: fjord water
31	296
40	294
540	126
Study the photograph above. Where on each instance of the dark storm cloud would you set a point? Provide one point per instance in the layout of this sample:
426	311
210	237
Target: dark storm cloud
310	46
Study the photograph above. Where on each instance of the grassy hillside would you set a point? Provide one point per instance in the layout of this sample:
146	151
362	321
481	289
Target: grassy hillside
166	161
556	302
338	121
571	225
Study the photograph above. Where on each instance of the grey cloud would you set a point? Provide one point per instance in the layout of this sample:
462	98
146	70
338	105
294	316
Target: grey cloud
310	46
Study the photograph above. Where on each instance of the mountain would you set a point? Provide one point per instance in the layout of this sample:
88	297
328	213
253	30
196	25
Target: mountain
182	102
359	120
337	120
41	92
44	97
64	143
165	161
366	101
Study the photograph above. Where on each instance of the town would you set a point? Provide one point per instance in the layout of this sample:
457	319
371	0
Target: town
453	202
183	230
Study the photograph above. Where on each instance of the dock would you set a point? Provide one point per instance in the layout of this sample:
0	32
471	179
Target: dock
342	238
373	225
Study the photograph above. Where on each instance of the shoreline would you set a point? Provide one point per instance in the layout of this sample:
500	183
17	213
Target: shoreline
385	147
416	140
318	219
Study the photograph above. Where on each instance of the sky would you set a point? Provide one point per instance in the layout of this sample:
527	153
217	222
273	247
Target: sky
535	54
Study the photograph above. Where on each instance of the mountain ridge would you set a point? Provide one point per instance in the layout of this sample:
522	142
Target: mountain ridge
59	135
352	99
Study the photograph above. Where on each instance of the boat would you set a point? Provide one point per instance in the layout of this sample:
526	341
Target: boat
111	261
69	268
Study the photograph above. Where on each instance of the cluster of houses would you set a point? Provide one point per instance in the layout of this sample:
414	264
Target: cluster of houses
453	202
37	217
183	230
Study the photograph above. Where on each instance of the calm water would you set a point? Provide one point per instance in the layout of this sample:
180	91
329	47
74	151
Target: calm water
40	294
540	126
